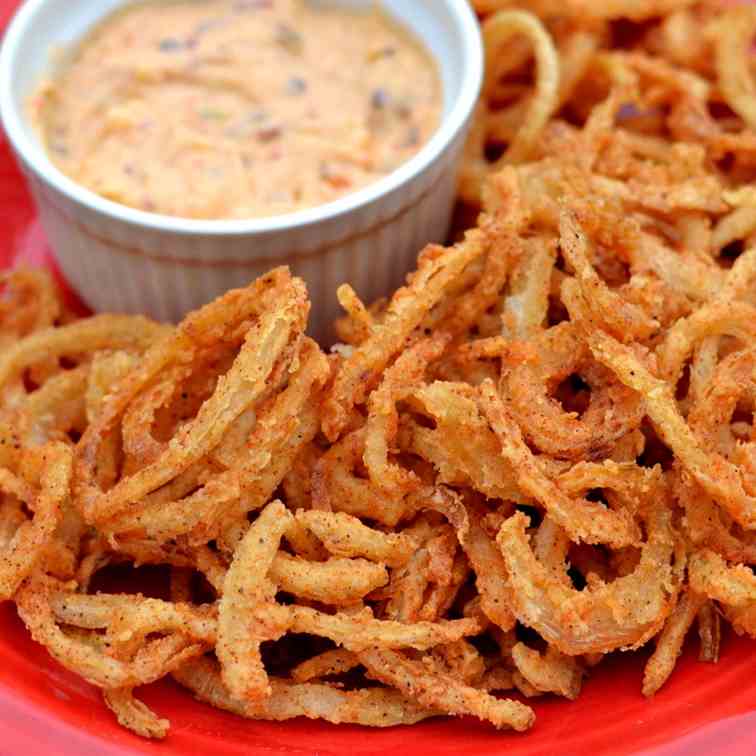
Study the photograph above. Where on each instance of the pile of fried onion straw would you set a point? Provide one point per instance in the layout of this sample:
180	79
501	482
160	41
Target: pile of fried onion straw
541	450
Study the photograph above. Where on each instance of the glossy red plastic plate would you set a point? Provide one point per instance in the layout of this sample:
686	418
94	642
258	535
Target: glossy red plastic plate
704	709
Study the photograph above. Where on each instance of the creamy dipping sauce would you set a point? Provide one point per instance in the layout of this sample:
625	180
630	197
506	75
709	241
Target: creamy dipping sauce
238	108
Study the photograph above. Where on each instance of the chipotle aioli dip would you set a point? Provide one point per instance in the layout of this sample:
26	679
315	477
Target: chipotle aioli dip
238	108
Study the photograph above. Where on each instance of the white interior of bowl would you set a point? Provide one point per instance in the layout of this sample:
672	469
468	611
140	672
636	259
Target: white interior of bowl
40	28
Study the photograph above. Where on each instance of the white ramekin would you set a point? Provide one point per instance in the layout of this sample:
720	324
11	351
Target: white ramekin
121	259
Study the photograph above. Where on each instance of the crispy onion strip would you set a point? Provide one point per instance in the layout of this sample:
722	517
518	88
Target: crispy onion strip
383	418
84	336
346	536
669	644
737	29
527	302
55	408
490	572
243	622
462	447
551	672
497	32
27	546
711	576
142	615
134	714
708	525
267	351
361	631
725	318
716	475
603	616
339	582
600	305
30	302
372	707
439	691
81	654
438	269
636	10
527	381
582	519
284	424
710	632
334	662
336	487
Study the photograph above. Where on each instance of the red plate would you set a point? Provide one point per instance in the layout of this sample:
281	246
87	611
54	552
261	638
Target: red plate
704	709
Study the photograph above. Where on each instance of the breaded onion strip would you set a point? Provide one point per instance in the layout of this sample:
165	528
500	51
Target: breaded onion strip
551	546
243	621
711	576
602	306
356	631
705	358
150	663
625	485
334	662
742	618
735	32
498	30
551	672
439	691
339	582
732	381
372	707
583	520
490	573
709	631
382	425
304	544
139	445
702	194
443	593
30	302
345	536
467	309
54	408
360	631
735	226
684	273
716	475
142	615
162	521
603	616
84	336
741	276
528	378
336	487
134	714
669	644
27	546
408	586
527	302
463	660
238	389
280	304
360	319
462	447
106	370
283	426
719	318
635	10
438	269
